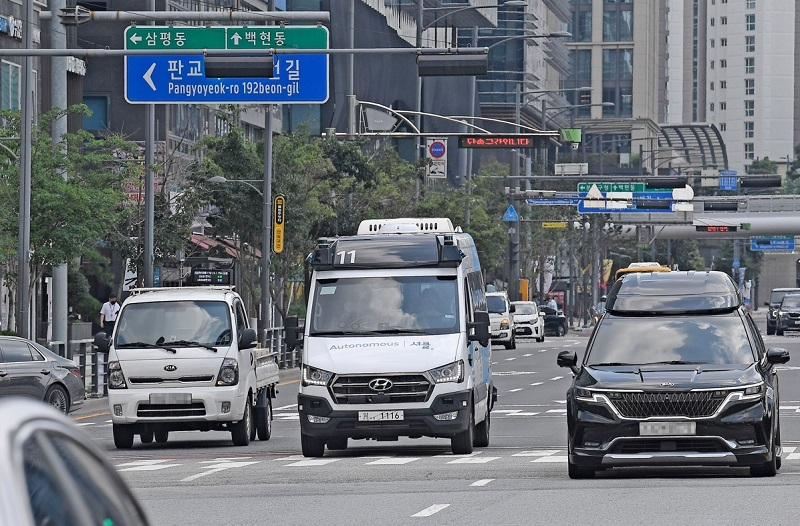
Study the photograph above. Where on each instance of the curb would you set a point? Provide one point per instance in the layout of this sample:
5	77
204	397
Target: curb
96	406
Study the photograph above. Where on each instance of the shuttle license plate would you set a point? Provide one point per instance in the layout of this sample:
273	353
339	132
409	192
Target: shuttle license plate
379	416
170	398
667	428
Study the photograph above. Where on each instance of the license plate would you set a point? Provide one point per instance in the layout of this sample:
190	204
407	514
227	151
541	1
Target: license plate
667	428
170	398
379	416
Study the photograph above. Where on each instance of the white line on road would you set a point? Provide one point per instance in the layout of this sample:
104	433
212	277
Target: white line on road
526	355
536	383
215	467
290	407
392	461
313	462
556	378
146	465
480	483
510	359
427	512
551	459
514	390
541	453
473	460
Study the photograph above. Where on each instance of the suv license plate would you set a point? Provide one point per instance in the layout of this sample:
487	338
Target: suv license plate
170	398
379	416
667	428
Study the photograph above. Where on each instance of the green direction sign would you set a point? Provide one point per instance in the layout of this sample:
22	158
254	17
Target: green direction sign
219	37
612	187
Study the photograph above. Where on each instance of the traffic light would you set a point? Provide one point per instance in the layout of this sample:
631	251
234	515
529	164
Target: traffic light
514	252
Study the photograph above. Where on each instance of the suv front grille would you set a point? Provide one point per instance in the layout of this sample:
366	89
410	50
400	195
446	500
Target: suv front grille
696	404
405	388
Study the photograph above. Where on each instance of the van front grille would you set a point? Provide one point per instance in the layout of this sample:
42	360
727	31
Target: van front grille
402	388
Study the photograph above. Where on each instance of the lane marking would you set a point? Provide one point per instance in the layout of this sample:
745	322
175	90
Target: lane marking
536	383
551	459
542	453
147	465
215	466
556	378
427	512
481	483
473	460
392	461
313	462
514	390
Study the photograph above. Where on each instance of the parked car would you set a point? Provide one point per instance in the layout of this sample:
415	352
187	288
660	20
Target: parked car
555	323
53	473
774	303
674	374
32	370
788	314
501	315
528	320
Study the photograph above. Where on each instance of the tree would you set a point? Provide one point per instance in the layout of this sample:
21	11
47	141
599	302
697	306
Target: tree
762	166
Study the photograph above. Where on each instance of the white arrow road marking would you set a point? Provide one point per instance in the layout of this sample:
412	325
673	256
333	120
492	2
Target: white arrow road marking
136	38
147	76
147	465
217	465
479	483
427	512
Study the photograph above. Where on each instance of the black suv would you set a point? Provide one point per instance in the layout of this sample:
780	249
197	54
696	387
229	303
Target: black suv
774	302
788	314
675	373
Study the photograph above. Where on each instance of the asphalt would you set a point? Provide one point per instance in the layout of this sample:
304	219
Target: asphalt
99	405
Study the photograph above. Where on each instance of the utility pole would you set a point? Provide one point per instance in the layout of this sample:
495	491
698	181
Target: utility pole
24	250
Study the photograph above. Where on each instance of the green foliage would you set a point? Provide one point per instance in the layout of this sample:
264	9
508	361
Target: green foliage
762	166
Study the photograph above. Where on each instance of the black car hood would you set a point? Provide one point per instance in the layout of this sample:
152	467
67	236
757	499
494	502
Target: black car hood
663	376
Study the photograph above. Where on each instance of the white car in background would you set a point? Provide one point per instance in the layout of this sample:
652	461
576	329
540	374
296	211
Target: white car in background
501	315
529	321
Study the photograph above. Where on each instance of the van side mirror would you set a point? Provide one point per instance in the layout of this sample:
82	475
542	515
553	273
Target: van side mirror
292	332
101	341
478	330
512	308
249	339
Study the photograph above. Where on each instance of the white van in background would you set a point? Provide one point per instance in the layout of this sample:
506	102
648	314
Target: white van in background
396	338
501	314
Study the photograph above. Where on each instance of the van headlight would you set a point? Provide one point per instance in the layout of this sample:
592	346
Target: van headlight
452	372
116	380
314	376
228	373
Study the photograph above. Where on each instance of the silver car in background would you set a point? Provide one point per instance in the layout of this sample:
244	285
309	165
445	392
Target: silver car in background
31	370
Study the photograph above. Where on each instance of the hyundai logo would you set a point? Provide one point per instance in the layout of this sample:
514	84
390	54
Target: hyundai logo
170	368
380	384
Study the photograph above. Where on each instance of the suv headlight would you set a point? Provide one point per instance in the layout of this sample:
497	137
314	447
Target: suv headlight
452	372
228	373
314	376
116	380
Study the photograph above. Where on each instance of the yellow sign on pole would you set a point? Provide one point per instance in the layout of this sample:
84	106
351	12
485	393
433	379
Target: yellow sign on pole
278	219
554	224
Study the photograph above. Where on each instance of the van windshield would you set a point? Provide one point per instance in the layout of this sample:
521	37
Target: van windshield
385	305
157	323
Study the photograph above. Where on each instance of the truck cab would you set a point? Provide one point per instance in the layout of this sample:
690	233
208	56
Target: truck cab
396	338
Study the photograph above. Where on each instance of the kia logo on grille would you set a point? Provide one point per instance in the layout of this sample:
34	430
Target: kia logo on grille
380	384
170	368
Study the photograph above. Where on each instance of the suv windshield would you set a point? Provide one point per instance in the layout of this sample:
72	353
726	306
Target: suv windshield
158	323
791	302
709	339
385	305
775	297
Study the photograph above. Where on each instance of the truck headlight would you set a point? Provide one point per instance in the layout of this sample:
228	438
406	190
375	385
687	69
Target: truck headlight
314	376
452	372
228	373
504	324
116	380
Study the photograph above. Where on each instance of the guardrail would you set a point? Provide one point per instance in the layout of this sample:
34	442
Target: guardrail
273	339
91	363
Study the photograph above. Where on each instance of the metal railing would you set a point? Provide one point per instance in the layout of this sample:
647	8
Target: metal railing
272	339
91	363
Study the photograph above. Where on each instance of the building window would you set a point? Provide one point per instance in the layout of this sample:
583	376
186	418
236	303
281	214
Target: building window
711	43
750	65
749	130
723	42
723	106
723	126
723	84
749	22
712	22
711	65
98	120
711	107
711	86
750	44
749	108
581	24
723	20
618	22
10	86
751	4
749	150
749	86
723	63
617	83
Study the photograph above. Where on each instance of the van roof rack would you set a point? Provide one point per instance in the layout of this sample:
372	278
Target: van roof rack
436	225
141	290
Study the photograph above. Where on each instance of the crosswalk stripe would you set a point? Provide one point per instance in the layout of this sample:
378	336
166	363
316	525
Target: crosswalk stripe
551	459
392	461
473	460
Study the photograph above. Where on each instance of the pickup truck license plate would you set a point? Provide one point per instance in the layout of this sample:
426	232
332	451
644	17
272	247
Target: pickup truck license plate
667	428
170	398
379	416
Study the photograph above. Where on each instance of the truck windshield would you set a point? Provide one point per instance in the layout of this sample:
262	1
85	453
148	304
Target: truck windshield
385	305
198	322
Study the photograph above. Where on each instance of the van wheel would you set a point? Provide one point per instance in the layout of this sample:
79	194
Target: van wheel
461	444
481	438
123	436
312	446
263	417
241	430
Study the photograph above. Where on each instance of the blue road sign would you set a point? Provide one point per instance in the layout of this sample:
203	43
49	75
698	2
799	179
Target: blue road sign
728	180
772	243
633	207
511	214
180	79
553	201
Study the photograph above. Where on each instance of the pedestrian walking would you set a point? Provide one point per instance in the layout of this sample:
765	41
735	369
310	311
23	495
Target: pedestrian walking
108	314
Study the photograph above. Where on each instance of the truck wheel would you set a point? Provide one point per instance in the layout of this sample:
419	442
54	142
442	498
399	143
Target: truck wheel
162	437
461	444
337	443
146	437
241	430
312	446
123	436
263	418
481	438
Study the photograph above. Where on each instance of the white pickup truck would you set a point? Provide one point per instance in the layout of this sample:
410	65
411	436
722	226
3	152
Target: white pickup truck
184	359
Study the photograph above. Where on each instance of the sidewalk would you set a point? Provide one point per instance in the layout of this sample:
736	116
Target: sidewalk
99	405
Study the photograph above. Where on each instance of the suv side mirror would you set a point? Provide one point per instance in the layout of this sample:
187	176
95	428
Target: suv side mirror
568	359
101	341
249	339
478	330
777	355
292	332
